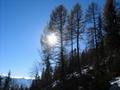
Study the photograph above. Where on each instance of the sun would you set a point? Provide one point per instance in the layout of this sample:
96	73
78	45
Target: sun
52	39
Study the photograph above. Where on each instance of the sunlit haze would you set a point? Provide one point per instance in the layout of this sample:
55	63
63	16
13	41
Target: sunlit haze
52	39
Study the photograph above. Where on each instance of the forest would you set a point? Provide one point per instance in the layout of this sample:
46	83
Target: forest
80	49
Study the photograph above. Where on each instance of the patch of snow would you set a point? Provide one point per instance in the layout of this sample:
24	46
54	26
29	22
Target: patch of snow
84	71
55	83
117	80
91	67
75	74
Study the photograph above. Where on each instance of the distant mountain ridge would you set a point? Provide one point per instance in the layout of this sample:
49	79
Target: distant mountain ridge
22	81
19	81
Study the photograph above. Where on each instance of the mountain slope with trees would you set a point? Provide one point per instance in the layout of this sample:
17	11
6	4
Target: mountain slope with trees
94	67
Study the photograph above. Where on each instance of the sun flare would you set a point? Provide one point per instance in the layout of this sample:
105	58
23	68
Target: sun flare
52	39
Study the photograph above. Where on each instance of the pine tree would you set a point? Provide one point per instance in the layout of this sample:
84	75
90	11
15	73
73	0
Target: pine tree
7	83
58	20
111	23
100	39
35	83
0	82
47	76
112	36
71	31
78	22
47	56
91	17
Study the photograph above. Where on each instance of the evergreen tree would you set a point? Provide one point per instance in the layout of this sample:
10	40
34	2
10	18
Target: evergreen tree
58	20
71	33
111	24
47	54
35	83
7	83
47	76
112	36
100	40
91	17
94	30
70	28
0	82
78	22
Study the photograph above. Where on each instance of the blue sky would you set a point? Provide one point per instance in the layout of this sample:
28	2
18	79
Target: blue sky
21	22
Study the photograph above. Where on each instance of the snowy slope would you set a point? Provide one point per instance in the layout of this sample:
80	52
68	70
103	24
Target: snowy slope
22	81
19	81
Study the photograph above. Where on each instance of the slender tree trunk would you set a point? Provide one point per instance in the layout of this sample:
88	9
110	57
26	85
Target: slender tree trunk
101	39
62	57
71	43
95	33
78	33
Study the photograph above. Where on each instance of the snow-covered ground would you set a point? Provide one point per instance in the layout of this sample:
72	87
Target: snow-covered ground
55	83
75	74
117	80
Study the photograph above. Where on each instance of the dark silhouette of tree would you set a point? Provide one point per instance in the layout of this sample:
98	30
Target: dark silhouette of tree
111	23
70	28
91	17
78	22
47	57
94	29
71	32
35	83
58	20
47	76
7	83
100	40
0	82
112	36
